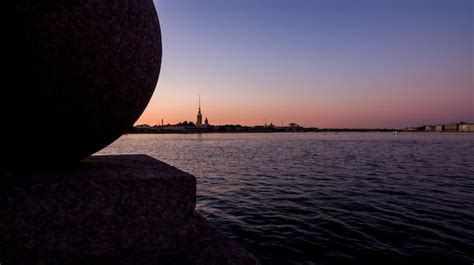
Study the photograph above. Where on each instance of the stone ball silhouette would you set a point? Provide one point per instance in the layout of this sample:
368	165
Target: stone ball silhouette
81	75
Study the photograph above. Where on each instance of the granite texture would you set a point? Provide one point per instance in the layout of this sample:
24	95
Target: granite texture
129	209
81	74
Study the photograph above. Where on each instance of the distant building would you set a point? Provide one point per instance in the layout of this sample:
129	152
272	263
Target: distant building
199	115
430	128
143	126
453	127
294	127
439	128
172	128
206	122
466	127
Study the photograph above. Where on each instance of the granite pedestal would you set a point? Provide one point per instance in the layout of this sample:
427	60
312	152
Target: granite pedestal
129	209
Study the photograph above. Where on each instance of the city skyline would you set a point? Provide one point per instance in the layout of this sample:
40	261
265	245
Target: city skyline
317	63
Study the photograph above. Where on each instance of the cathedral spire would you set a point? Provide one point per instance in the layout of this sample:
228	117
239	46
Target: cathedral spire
199	115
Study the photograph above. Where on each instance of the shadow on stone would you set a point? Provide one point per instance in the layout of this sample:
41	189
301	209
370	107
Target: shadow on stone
128	209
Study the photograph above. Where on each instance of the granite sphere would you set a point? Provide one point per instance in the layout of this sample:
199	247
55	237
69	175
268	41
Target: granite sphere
81	75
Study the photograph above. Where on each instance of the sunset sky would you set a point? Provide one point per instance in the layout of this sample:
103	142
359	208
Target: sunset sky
338	63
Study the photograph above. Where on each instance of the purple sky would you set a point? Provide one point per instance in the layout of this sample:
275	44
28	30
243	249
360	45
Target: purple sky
339	63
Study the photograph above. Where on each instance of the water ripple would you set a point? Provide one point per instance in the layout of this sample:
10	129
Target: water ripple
346	198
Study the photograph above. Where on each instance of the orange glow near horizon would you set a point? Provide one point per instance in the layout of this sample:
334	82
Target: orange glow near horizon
377	110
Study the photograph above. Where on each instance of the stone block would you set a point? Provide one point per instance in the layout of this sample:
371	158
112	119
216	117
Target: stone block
128	209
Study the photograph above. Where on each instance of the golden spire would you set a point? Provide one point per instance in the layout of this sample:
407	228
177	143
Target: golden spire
199	115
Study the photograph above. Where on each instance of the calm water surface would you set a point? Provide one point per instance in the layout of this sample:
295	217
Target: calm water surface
327	198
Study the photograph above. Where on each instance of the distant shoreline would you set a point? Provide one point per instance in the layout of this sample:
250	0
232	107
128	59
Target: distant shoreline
191	128
319	131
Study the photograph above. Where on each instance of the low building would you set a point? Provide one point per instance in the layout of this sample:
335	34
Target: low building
466	127
293	127
430	128
439	128
453	127
173	128
143	128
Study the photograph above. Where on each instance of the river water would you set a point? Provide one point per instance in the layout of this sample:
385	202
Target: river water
330	198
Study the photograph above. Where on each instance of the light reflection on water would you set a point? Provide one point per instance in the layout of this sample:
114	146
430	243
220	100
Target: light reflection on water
324	198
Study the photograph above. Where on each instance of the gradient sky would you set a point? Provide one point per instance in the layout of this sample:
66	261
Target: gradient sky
338	63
